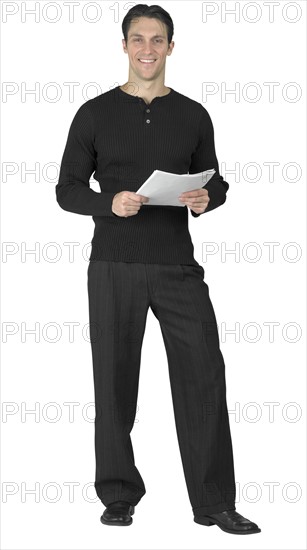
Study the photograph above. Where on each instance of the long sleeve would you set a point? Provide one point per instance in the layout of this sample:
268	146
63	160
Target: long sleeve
73	192
204	158
111	141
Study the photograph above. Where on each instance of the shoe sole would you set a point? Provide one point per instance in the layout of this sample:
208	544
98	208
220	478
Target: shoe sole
203	520
116	523
119	523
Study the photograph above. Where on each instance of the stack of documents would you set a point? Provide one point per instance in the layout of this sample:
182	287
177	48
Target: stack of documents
164	188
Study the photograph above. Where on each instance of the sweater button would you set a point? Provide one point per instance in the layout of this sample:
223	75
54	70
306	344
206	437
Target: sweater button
147	110
148	121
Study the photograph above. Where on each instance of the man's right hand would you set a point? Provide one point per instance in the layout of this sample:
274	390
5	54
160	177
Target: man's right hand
127	203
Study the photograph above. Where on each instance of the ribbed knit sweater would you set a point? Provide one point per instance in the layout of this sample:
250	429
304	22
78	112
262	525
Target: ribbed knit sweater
122	139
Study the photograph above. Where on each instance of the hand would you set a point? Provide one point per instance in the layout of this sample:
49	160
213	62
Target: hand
197	200
127	203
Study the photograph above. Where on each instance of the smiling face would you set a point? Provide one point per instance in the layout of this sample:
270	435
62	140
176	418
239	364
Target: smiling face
147	48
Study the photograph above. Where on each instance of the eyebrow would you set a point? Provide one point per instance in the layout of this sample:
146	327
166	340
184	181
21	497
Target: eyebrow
156	35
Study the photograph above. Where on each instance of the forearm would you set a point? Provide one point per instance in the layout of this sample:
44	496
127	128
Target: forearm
204	158
75	196
217	189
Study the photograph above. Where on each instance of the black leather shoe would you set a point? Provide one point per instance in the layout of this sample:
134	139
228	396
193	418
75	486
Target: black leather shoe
230	521
118	513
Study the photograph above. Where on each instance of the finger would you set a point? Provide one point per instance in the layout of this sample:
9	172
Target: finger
136	198
195	193
197	203
135	203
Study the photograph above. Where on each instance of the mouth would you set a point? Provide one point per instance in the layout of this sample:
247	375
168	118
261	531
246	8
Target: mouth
147	61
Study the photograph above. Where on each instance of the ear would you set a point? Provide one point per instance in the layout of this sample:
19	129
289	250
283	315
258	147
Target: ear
171	47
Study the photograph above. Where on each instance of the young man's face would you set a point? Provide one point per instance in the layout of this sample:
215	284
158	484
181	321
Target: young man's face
147	40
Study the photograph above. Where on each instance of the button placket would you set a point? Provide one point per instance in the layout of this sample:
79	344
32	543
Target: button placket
148	119
147	110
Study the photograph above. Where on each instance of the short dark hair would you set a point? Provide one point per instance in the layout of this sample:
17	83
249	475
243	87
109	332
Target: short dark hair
153	12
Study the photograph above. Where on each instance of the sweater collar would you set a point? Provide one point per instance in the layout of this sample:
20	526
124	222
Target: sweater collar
134	98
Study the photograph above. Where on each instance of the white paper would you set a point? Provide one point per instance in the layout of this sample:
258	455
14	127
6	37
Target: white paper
164	188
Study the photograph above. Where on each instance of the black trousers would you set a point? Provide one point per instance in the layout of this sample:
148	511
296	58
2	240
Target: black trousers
120	294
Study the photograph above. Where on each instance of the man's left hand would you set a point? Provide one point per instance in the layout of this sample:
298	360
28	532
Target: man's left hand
197	200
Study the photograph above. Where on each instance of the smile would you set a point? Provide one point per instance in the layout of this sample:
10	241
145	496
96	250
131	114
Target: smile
147	61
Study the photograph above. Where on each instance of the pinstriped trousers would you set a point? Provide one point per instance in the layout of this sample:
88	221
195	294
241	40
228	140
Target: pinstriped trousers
120	294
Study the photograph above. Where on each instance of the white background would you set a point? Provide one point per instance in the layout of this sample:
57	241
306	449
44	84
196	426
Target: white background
249	288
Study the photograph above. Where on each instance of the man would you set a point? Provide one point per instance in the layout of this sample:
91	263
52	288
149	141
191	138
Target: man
142	256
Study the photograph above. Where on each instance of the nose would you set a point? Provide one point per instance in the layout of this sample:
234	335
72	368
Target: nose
148	49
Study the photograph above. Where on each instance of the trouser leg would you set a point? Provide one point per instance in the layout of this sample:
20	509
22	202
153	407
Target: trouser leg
117	312
180	301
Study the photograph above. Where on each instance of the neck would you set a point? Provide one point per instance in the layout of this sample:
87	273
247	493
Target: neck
147	92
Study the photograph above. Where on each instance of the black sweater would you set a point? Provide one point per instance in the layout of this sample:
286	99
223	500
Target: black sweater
123	140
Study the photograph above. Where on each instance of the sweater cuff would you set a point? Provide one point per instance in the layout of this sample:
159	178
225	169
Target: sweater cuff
81	199
105	203
217	196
